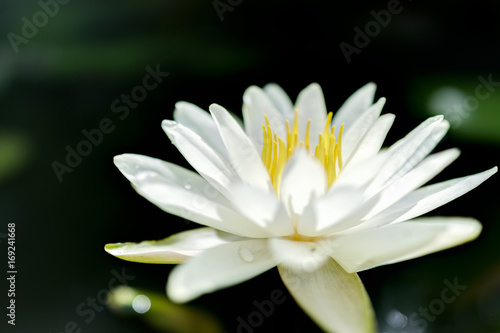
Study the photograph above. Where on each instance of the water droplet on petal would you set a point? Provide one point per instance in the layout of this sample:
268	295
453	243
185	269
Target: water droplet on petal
187	186
246	254
146	175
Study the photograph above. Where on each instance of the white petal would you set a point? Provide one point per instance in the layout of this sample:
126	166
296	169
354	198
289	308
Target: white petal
303	179
244	157
358	129
256	104
280	100
171	250
311	105
355	106
200	122
298	255
338	210
184	193
421	174
438	126
335	300
360	174
263	208
200	155
371	143
397	242
218	268
141	169
409	151
430	197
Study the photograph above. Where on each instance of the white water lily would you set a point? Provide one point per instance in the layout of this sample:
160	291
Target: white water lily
294	187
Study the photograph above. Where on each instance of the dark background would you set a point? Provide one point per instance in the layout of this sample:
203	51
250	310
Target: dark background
64	79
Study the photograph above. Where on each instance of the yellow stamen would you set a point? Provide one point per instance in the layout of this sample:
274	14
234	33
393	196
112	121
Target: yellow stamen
269	150
321	150
341	131
332	157
328	122
281	163
276	150
275	159
288	137
307	133
265	146
295	132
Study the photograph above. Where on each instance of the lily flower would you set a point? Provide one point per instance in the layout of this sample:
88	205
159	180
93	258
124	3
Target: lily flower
304	190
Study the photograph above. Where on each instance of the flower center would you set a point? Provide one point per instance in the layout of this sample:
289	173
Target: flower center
276	151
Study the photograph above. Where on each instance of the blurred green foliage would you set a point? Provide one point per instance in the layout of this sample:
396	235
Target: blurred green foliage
470	102
156	311
89	54
15	150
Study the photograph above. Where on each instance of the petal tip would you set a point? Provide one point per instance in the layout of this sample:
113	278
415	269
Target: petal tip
370	88
122	161
490	172
251	93
272	85
167	123
114	248
314	85
216	109
312	88
181	104
119	158
175	291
